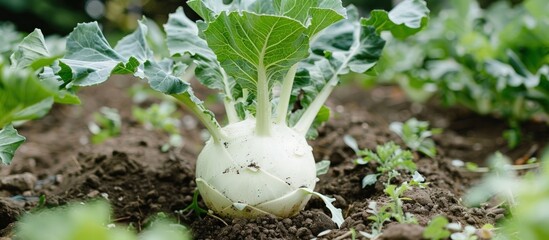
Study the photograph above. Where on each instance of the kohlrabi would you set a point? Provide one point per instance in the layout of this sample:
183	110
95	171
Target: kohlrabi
274	62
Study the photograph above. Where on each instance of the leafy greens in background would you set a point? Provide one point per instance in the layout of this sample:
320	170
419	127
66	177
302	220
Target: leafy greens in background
525	197
23	95
490	62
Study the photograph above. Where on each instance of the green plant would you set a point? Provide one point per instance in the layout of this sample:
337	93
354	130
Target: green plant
194	207
161	116
417	135
24	96
379	217
89	221
440	228
436	229
525	198
260	163
489	62
390	158
107	124
395	193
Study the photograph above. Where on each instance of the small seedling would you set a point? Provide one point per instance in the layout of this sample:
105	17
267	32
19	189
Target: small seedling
194	207
390	158
379	217
162	116
436	230
395	193
322	167
417	135
524	197
107	124
462	233
440	228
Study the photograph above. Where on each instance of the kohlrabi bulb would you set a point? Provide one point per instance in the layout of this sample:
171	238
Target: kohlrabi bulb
247	175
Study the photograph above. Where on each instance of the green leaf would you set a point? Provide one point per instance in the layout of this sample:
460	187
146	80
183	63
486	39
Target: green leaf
337	215
296	9
9	40
183	39
322	167
160	79
182	36
9	142
107	124
351	142
31	49
249	44
407	18
22	96
135	45
315	14
370	179
344	46
321	18
208	9
54	84
437	229
91	60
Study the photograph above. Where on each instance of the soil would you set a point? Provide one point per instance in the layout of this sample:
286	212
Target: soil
140	180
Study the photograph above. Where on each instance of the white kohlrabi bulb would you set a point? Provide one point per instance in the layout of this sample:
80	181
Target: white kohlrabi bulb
249	175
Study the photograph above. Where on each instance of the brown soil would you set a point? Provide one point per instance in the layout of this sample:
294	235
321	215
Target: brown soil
141	180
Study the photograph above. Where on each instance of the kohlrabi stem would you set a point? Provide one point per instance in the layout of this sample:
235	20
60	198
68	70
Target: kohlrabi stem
285	94
308	117
230	110
232	116
263	112
202	114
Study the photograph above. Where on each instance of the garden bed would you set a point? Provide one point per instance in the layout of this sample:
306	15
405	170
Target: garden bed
140	180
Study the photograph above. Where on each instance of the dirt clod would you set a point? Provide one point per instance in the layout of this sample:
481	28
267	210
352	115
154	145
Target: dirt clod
9	212
403	232
18	182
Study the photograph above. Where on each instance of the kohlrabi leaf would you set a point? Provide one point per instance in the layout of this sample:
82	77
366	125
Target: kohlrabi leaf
9	142
135	45
156	39
182	36
337	215
54	84
31	49
252	47
347	46
316	15
91	60
32	53
9	40
344	46
325	14
22	96
208	9
161	80
407	18
183	39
